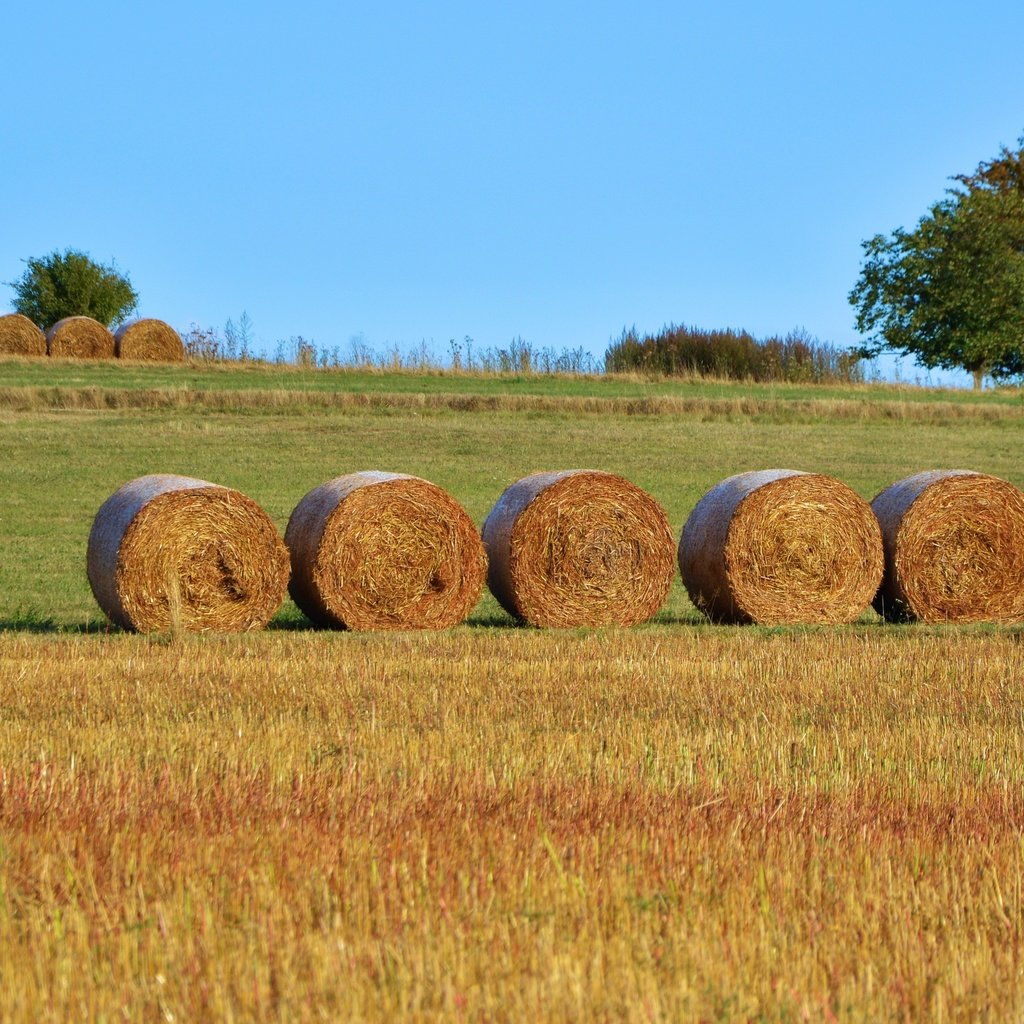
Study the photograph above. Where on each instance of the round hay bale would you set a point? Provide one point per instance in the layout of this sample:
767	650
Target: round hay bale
149	339
954	548
79	337
781	547
20	337
170	552
579	548
384	551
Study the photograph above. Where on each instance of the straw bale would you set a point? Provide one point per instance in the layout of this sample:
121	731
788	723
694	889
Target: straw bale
778	546
376	550
20	337
171	552
954	548
579	548
149	339
80	337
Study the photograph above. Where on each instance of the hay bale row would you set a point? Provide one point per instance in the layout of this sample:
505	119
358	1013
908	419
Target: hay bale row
380	551
781	547
561	549
364	551
81	337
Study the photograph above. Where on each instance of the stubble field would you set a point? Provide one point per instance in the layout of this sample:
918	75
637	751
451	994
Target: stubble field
673	822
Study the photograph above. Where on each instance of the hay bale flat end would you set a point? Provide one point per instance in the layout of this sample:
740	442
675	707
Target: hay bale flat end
781	547
20	337
579	548
170	552
79	337
954	548
374	551
150	340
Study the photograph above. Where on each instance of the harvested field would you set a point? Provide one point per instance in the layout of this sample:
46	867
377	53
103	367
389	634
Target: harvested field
170	553
781	547
578	548
384	551
20	337
954	548
625	825
149	340
79	337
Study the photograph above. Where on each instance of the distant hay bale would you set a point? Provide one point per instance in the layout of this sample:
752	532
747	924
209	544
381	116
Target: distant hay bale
779	547
579	548
20	337
170	552
384	551
149	339
954	548
79	337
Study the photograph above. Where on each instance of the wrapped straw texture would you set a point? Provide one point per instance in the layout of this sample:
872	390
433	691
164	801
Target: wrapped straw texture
384	551
149	339
79	337
954	548
579	548
777	546
20	337
170	552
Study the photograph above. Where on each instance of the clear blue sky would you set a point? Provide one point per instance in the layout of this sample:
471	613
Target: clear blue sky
550	170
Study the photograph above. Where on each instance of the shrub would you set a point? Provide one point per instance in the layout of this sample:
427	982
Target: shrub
738	355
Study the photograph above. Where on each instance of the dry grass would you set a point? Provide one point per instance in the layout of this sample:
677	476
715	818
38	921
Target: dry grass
169	553
578	548
954	548
629	826
20	337
79	337
149	340
709	409
781	547
384	551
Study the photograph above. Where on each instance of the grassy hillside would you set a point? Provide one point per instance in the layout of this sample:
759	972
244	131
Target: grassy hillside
64	456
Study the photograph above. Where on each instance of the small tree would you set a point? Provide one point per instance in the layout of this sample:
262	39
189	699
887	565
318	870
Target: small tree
951	292
71	284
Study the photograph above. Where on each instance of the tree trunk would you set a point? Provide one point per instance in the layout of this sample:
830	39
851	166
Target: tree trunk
979	376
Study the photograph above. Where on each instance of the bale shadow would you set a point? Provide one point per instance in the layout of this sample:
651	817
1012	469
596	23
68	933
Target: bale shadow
20	622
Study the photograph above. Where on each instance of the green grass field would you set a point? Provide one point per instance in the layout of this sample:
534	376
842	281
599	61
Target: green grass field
62	463
673	822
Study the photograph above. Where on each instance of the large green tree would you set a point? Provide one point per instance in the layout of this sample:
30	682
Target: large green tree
951	292
69	283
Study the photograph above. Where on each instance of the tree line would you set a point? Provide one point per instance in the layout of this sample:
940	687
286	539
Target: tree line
949	293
